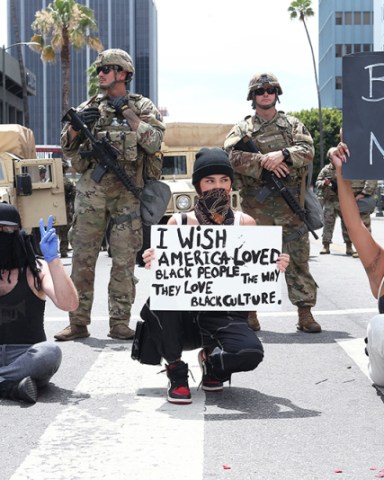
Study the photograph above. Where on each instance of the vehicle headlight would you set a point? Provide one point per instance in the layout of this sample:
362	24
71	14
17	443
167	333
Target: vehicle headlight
183	202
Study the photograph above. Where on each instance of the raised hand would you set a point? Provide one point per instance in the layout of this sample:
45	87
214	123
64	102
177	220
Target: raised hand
49	243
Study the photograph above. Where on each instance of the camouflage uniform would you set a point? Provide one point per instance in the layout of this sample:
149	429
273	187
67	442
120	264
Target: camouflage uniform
96	203
329	197
62	230
282	132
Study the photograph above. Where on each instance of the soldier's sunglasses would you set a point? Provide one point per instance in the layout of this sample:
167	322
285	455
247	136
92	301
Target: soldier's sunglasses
269	90
107	68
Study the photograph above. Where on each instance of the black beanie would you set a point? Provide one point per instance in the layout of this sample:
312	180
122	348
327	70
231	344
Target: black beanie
211	161
9	215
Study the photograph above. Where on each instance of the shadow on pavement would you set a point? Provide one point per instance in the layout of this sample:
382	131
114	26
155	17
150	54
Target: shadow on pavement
326	336
245	403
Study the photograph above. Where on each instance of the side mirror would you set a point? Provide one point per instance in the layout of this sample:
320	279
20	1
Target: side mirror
24	184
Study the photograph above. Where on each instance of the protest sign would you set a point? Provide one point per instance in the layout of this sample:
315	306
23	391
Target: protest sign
216	268
363	107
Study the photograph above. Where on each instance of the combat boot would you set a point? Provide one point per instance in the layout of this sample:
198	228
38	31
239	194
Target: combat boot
348	249
306	321
253	321
24	389
122	332
178	390
72	332
325	250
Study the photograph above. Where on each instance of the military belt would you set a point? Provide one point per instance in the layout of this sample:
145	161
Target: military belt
127	217
262	192
296	234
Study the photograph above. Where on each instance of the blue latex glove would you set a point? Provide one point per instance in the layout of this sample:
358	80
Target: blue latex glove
49	244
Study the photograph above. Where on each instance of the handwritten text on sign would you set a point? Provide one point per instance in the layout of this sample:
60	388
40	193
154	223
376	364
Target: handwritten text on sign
216	268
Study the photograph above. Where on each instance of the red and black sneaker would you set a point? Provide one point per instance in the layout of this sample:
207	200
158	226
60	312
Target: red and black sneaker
209	382
178	391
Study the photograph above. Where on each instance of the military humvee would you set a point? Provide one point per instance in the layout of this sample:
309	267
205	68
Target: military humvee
22	182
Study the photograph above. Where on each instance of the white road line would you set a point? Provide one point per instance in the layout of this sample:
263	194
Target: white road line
125	429
345	311
355	349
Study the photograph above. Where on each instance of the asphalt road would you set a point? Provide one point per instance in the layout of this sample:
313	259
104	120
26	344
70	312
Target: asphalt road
309	411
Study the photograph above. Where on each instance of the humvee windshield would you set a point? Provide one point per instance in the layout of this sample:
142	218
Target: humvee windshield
174	165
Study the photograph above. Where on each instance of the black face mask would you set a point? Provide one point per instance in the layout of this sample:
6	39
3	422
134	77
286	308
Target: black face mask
10	254
213	207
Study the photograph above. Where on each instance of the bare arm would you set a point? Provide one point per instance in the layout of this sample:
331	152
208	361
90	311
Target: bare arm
370	252
58	286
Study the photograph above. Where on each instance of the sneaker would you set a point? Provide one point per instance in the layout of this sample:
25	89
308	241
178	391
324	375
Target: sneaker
178	390
25	390
209	382
72	332
122	332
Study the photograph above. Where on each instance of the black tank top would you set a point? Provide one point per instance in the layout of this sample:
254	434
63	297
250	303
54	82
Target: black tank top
21	315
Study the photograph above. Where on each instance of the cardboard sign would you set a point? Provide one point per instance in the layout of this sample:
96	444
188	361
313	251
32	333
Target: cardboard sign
363	111
216	268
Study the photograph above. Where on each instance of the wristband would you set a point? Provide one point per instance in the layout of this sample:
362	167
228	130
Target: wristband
124	108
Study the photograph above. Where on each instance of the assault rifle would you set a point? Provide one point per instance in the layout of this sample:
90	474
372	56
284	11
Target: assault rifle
104	153
274	183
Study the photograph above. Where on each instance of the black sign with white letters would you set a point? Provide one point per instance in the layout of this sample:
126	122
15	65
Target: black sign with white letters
363	114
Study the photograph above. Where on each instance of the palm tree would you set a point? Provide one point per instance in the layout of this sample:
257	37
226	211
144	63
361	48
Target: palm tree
64	23
302	9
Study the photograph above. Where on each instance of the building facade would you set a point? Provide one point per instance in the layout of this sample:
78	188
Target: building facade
378	33
345	27
11	94
127	24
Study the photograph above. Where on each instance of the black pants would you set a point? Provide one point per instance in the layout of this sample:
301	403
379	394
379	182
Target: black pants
233	346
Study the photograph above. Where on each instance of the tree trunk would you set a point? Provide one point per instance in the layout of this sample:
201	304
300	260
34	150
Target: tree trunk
21	63
66	66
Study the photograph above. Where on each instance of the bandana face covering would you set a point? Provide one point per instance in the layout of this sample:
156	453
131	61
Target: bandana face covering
213	207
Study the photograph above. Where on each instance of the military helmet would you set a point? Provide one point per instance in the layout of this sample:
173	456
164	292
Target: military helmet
115	56
263	80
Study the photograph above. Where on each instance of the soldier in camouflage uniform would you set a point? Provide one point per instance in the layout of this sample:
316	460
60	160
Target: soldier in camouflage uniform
286	148
326	185
134	126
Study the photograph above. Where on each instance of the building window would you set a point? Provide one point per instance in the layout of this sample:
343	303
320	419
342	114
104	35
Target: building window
367	18
348	18
357	47
366	47
339	18
347	49
357	18
339	50
339	83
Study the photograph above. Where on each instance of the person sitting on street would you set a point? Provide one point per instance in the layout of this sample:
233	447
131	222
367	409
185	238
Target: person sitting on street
228	343
27	360
371	255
